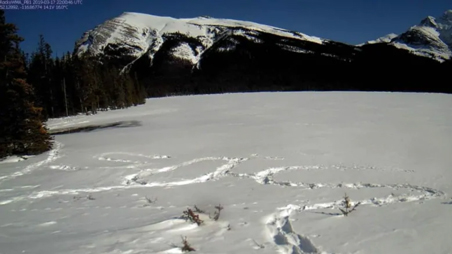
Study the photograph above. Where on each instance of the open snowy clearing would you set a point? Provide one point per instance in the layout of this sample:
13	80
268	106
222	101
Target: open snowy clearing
279	164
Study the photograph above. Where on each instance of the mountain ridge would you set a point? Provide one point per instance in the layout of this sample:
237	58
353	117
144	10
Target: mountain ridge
432	37
125	30
171	56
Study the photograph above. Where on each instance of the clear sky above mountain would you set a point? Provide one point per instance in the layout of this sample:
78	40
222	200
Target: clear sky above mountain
349	21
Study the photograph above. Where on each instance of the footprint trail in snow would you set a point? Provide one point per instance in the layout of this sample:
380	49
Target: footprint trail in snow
143	178
277	225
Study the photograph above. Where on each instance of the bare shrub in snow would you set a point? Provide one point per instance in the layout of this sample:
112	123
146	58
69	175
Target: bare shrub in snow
348	207
150	201
190	215
186	246
216	215
258	245
199	210
89	197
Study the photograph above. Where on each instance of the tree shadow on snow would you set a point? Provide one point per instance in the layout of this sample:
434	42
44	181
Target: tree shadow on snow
88	128
329	214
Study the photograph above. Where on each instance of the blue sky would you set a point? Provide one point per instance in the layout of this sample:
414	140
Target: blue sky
349	21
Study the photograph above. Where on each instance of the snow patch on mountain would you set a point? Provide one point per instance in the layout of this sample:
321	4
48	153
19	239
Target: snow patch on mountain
429	21
387	38
293	48
184	51
249	35
229	45
227	48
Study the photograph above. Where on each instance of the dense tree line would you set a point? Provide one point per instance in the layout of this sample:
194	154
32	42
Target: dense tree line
79	84
21	128
39	86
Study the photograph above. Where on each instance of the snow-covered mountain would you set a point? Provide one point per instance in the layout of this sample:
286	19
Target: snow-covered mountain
136	34
432	37
201	55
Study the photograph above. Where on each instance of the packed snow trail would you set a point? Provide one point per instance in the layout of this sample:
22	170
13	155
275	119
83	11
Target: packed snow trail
143	178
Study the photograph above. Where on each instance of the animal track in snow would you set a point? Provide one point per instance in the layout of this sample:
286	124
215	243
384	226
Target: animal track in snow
220	172
64	167
143	178
283	235
277	225
127	163
53	155
422	193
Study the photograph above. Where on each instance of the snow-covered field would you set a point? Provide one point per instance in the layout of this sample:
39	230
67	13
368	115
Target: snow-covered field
279	164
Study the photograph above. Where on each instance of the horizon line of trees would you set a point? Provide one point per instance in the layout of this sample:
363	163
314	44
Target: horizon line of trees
76	84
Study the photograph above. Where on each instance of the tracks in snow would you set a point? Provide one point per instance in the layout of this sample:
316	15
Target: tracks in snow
281	232
415	193
143	178
220	172
278	224
53	155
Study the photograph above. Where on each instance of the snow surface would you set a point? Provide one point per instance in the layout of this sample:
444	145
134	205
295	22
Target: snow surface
279	164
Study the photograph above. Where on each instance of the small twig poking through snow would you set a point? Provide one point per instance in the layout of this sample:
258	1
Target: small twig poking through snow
348	208
150	201
216	215
258	245
186	246
199	210
190	215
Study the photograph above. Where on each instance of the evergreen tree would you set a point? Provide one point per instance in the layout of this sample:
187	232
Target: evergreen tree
21	128
80	84
40	76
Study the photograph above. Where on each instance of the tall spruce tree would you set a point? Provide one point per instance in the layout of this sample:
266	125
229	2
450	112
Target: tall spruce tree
21	129
40	76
